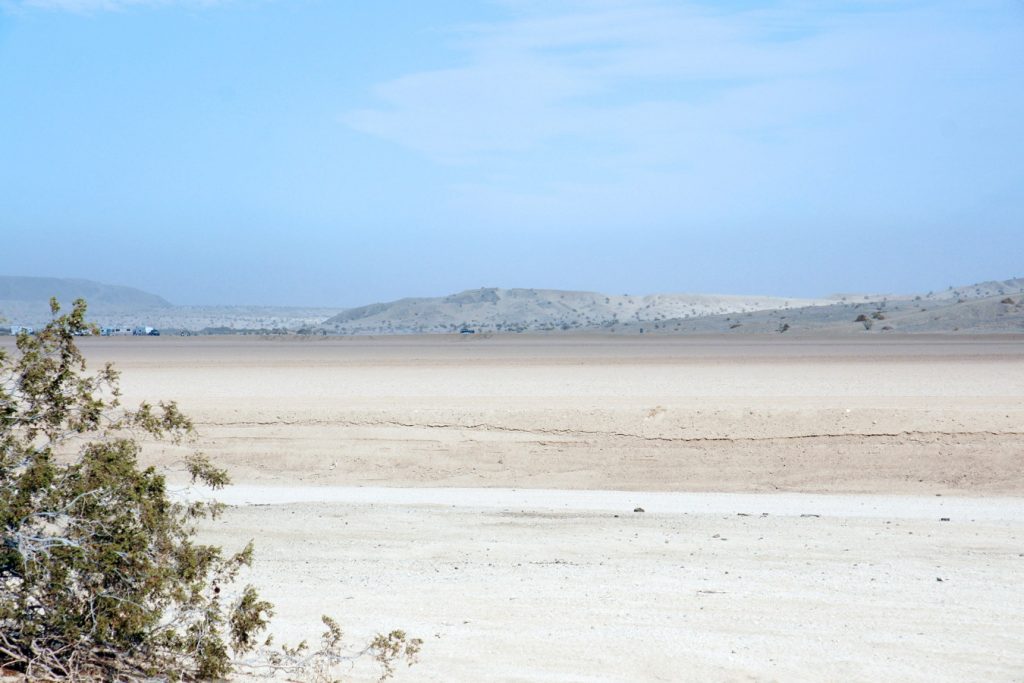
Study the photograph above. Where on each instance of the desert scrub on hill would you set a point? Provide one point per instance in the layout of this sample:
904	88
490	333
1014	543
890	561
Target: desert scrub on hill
100	575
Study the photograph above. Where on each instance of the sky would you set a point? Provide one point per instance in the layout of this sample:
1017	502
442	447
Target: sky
342	152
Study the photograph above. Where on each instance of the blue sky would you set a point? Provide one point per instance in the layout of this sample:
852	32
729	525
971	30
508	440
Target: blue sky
338	152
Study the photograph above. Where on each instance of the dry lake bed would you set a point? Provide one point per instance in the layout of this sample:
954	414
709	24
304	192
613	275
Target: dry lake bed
813	508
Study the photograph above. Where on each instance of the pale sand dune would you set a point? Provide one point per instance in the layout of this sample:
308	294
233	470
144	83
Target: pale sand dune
551	585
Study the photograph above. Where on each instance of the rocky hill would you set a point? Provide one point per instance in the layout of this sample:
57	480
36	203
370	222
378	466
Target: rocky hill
987	307
525	310
983	308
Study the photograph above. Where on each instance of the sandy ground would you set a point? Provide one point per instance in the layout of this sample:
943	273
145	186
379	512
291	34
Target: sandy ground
506	535
912	415
554	586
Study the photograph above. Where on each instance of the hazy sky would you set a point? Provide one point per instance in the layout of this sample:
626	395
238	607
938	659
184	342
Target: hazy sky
339	152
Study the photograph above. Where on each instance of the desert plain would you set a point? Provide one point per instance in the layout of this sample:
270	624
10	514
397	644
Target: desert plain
813	508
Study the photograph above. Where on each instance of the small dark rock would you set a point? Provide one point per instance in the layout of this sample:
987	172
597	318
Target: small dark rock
943	519
638	509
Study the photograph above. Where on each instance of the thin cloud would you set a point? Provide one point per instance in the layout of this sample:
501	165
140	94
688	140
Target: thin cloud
574	102
534	78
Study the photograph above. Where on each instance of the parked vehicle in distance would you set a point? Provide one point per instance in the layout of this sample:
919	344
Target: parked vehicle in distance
124	331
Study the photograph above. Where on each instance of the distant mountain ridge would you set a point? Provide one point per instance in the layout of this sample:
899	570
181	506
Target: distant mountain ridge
38	290
995	306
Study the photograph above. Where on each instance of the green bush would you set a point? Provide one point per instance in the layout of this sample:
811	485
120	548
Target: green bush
99	573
